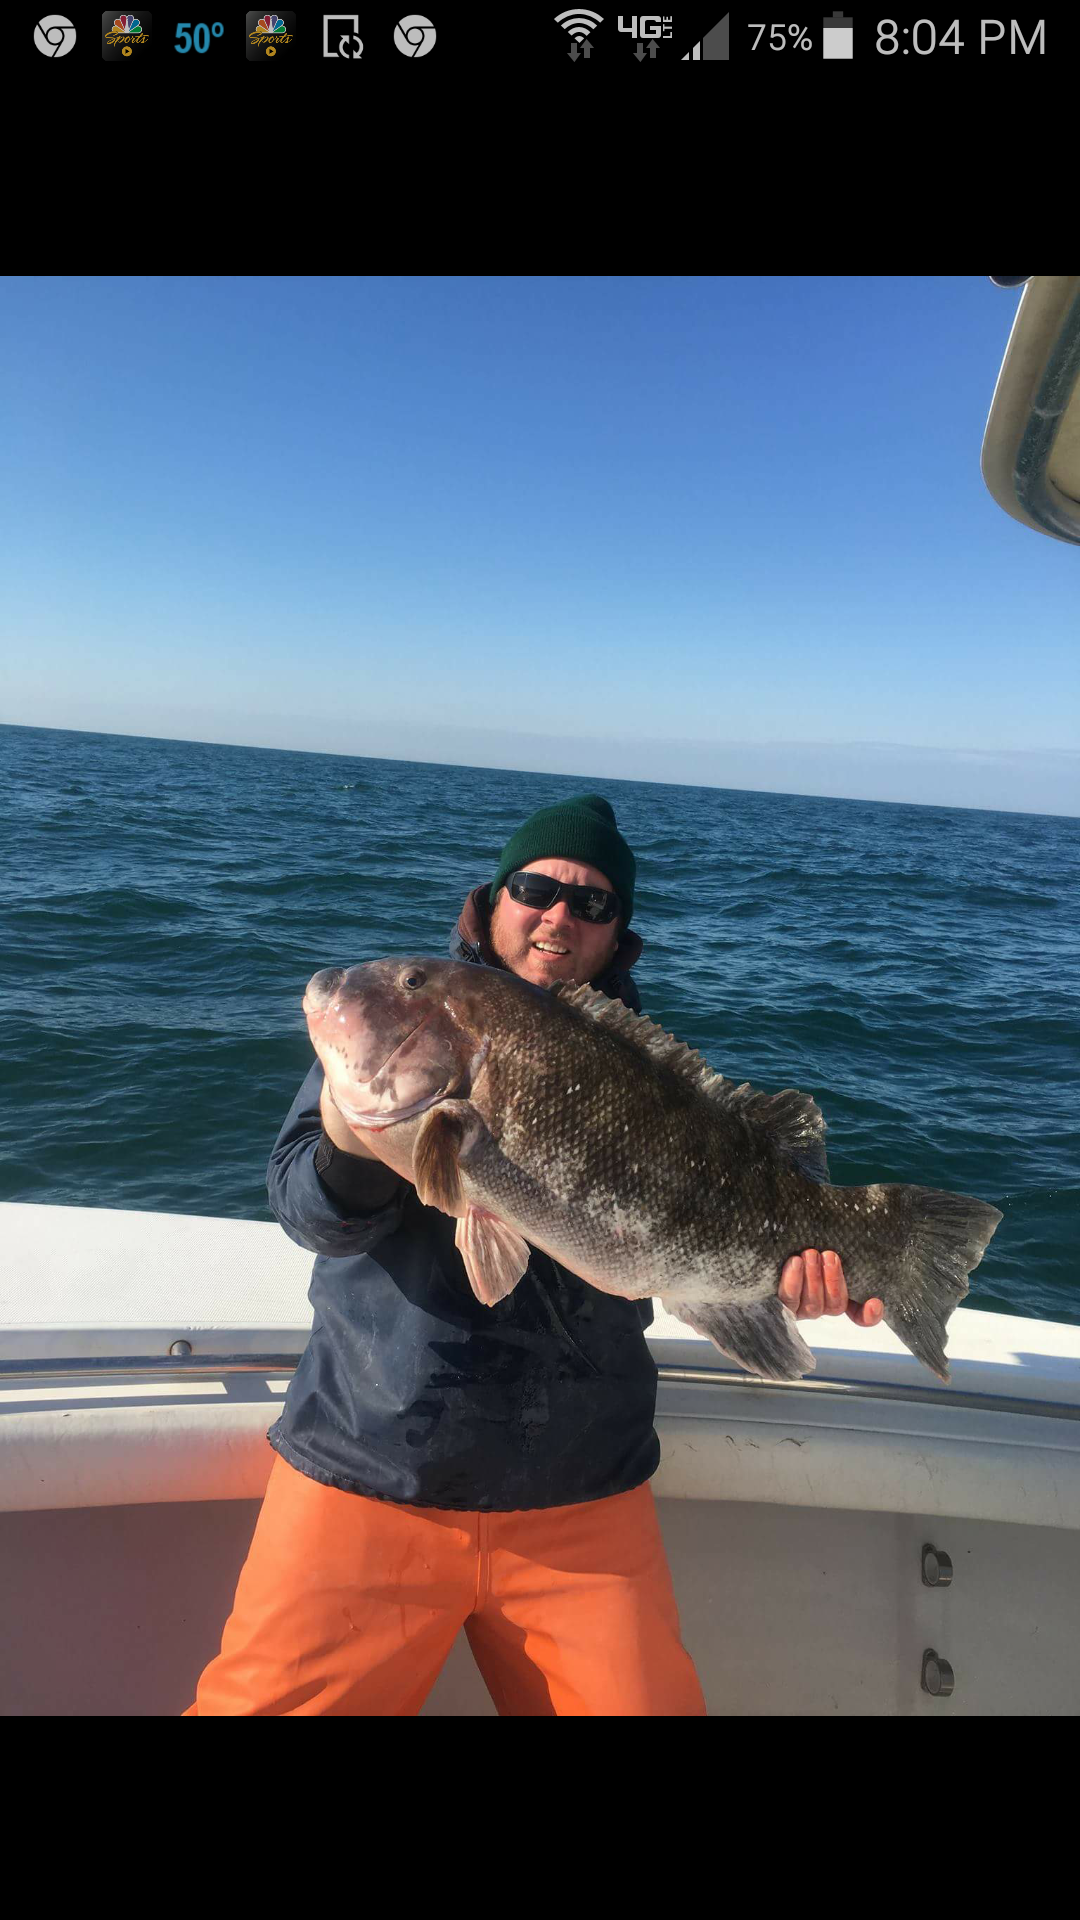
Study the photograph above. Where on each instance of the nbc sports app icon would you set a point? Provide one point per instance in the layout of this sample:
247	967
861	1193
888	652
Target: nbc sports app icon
125	36
269	35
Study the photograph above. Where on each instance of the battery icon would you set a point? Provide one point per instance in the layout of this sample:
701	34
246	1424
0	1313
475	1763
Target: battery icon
837	33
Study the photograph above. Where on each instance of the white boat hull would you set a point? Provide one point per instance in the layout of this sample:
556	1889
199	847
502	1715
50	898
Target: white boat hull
795	1517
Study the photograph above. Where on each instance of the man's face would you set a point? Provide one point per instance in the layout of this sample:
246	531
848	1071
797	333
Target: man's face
551	945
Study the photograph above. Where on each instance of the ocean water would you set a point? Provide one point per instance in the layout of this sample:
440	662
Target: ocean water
164	903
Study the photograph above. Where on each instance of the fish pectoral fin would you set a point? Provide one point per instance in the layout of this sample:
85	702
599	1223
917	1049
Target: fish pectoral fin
763	1338
495	1255
443	1140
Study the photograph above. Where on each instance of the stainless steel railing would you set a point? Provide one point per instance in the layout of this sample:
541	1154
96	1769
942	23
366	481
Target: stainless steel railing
193	1366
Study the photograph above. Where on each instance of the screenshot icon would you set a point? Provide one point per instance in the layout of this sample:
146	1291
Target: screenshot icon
341	36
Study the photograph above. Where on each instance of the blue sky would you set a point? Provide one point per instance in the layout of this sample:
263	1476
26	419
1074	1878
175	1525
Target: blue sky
710	529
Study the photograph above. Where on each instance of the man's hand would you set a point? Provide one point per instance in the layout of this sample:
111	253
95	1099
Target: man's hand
365	1145
813	1283
344	1137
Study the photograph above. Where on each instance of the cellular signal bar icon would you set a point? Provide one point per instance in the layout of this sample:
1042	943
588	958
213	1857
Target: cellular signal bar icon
579	22
715	44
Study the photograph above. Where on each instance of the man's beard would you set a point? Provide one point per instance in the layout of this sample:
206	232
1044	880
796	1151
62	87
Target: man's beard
504	961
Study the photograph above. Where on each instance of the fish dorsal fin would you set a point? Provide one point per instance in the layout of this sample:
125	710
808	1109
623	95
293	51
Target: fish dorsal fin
640	1031
792	1122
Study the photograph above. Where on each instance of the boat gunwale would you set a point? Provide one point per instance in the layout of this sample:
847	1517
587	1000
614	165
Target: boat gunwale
202	1366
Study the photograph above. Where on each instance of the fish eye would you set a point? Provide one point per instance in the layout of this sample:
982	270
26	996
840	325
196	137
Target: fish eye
414	979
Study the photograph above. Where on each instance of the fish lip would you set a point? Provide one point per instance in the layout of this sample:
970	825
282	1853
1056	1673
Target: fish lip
374	1122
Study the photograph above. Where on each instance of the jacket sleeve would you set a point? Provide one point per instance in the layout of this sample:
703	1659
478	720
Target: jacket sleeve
307	1210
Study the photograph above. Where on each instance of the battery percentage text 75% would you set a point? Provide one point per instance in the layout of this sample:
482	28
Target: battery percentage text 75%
781	38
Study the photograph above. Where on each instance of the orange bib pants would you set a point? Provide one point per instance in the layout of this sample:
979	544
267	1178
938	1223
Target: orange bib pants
347	1605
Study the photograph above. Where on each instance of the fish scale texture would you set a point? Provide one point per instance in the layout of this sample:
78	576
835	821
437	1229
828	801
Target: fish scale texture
627	1172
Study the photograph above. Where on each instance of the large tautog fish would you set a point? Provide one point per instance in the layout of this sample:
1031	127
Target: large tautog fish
561	1119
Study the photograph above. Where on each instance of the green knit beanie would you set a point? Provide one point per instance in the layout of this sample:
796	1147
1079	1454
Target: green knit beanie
580	829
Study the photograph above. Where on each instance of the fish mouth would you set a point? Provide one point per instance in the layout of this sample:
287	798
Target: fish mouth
394	1051
373	1121
373	1118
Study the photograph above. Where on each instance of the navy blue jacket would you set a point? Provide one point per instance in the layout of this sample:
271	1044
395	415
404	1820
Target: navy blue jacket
410	1389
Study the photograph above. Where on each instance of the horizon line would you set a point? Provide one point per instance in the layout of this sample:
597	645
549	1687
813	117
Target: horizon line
324	753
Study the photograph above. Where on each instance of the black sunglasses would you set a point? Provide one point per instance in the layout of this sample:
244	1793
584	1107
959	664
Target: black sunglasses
539	891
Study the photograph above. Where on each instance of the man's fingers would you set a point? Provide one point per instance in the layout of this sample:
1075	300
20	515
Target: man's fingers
813	1293
835	1288
869	1314
813	1283
791	1283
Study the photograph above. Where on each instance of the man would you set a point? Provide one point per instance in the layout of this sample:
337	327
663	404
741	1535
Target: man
445	1464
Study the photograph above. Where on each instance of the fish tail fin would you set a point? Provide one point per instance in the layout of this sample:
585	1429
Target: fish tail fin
948	1235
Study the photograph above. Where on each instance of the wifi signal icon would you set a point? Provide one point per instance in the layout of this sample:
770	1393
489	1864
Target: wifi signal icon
579	22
